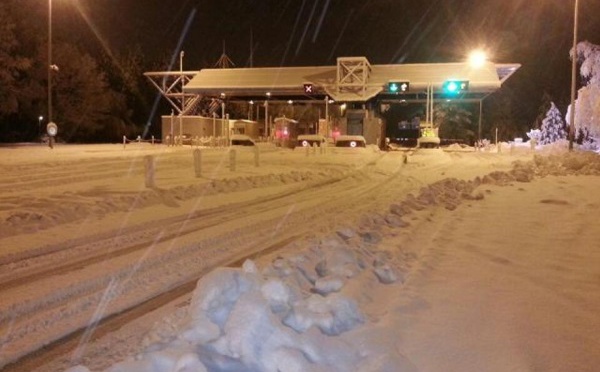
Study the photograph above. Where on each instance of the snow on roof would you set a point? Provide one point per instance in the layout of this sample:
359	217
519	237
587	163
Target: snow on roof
291	80
344	137
317	137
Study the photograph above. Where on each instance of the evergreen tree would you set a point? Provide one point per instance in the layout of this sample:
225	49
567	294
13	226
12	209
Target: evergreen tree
13	67
553	126
545	105
88	105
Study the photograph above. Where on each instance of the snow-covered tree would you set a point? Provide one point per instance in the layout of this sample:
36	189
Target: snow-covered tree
589	54
587	105
553	126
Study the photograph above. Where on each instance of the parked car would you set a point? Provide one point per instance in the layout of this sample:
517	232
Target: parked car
241	140
186	139
309	140
350	141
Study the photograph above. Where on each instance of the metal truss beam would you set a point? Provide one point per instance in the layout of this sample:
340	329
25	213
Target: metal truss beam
170	84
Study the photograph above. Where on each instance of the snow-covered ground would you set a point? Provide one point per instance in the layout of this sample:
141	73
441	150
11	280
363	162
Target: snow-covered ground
352	260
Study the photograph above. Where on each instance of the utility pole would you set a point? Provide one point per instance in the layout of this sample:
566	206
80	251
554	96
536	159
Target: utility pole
573	79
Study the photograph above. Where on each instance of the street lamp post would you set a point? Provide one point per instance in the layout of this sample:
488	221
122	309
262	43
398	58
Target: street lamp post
573	79
268	95
51	128
40	118
49	61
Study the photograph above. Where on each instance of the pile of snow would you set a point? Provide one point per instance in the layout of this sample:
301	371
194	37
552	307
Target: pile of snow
298	314
307	312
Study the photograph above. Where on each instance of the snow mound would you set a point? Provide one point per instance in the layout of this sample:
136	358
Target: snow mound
291	316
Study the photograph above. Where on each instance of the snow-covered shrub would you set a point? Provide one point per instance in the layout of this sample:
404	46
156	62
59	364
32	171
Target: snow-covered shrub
534	134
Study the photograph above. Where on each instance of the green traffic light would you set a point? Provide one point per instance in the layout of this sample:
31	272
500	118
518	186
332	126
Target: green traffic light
455	86
398	87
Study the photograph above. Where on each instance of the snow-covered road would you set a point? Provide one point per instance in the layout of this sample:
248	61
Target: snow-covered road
83	238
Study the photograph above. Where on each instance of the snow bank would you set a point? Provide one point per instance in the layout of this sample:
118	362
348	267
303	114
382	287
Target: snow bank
300	313
291	316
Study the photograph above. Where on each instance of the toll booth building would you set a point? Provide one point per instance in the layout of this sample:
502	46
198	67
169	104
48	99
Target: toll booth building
356	89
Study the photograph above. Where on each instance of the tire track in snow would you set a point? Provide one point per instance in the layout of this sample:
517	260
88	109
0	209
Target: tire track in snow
306	196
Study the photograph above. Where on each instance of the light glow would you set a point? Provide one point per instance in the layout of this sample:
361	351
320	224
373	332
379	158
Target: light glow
477	58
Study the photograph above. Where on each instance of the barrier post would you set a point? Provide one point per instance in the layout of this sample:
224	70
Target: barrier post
150	170
256	156
198	163
124	141
232	155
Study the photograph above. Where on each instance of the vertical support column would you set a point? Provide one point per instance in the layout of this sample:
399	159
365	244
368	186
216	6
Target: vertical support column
326	114
228	129
214	133
180	129
266	119
172	134
480	115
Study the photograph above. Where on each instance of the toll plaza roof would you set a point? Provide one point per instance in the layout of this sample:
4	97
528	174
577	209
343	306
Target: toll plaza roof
343	85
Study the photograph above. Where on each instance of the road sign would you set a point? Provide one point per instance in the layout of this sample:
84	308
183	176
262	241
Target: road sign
398	86
51	129
308	88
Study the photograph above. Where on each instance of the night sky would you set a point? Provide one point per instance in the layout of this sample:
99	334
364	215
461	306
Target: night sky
535	33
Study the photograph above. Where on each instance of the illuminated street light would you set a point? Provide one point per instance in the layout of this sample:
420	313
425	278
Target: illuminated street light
477	58
40	118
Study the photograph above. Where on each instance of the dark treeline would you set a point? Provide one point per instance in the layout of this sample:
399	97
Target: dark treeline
97	97
99	94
